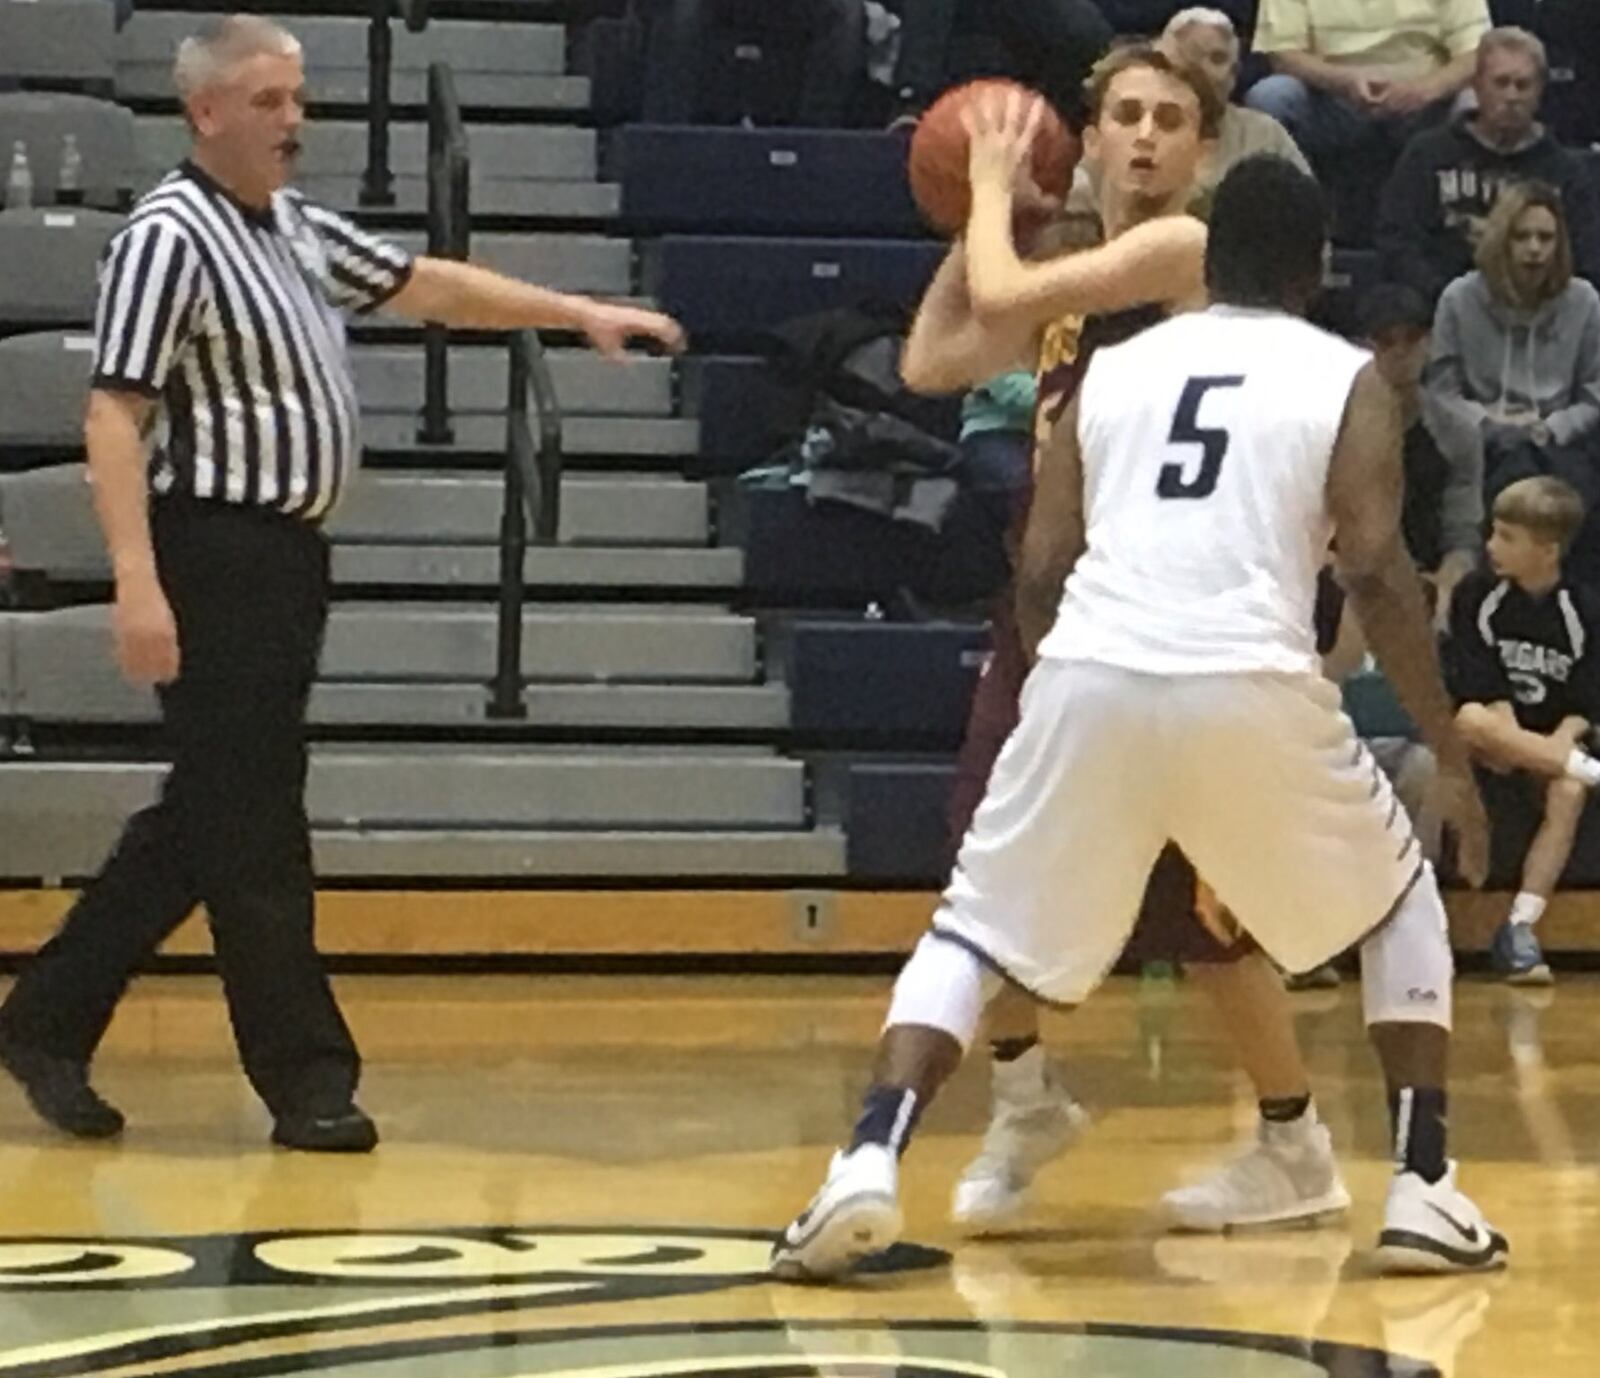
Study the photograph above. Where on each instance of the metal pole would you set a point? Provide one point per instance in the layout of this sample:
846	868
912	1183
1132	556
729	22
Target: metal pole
377	186
507	699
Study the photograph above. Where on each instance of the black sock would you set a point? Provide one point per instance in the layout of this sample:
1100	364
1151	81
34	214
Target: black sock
1418	1116
1284	1109
888	1115
1010	1049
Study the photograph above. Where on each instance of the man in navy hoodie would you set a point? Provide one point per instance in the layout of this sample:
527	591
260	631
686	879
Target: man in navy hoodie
1446	181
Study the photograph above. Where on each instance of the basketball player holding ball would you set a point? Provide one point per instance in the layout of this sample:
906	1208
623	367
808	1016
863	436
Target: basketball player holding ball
1148	135
985	311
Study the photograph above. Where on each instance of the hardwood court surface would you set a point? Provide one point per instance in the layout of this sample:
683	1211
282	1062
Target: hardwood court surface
576	1173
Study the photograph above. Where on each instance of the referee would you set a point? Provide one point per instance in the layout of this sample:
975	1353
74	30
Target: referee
221	430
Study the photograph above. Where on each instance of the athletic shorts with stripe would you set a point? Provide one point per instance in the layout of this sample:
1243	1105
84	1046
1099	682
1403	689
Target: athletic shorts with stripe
1259	778
1167	929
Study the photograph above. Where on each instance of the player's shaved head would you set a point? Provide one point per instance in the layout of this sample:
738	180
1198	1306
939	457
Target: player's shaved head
1268	236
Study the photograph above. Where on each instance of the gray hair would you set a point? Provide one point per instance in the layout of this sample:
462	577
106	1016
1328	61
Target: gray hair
1196	16
1508	38
205	56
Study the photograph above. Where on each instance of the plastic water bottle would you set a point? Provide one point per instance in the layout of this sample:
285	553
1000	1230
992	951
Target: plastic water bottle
19	185
69	182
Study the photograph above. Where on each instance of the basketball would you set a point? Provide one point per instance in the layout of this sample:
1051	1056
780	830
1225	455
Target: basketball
937	163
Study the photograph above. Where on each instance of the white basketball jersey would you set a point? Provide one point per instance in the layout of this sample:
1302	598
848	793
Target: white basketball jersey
1206	442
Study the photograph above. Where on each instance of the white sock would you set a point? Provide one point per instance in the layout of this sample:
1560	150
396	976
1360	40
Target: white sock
1527	908
1583	768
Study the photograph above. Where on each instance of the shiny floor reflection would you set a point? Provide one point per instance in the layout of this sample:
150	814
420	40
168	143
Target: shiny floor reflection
577	1173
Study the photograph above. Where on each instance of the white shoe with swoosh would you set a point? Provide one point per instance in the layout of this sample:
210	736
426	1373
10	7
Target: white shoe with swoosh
854	1215
1430	1227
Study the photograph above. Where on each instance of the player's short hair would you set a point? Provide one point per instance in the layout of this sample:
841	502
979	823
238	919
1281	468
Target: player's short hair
206	55
1548	507
1127	57
1269	234
1508	38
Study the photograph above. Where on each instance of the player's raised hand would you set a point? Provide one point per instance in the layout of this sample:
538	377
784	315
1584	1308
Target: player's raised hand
1000	131
1461	808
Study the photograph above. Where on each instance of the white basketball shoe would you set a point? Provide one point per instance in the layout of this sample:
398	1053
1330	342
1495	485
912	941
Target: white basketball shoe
1289	1176
1032	1120
855	1214
1430	1227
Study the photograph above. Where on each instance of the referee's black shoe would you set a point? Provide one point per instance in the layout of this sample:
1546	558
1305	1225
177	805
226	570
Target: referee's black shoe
58	1089
346	1131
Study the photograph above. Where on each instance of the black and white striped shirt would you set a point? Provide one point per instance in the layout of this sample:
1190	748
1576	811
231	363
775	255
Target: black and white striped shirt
232	318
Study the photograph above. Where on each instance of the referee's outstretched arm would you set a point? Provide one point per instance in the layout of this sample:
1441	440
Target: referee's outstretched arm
473	298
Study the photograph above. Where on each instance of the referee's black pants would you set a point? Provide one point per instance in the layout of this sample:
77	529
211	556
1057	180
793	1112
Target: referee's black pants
249	591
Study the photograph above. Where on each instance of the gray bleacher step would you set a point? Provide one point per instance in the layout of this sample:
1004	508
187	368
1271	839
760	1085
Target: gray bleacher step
485	433
534	92
49	517
58	665
546	199
462	787
339	147
586	855
389	378
566	262
463	509
338	42
46	851
548	567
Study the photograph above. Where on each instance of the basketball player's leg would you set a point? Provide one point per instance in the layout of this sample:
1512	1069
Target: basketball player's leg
1278	760
1289	1171
1044	893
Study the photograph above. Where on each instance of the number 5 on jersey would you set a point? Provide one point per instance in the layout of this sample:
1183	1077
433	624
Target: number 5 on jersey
1186	430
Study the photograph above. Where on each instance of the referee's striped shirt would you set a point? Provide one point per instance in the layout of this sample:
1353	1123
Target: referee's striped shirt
232	318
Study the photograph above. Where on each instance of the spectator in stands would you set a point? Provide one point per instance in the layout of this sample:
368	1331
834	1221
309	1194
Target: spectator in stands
1439	195
1206	40
1358	78
835	61
1516	352
1524	664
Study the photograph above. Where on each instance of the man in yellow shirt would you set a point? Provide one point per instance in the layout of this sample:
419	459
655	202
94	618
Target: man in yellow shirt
1357	78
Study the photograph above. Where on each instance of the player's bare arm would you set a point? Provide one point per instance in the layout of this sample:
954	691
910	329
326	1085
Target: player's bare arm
949	349
1365	486
1160	261
1055	538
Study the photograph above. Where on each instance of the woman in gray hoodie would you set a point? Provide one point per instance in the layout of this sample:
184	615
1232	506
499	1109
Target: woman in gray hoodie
1516	352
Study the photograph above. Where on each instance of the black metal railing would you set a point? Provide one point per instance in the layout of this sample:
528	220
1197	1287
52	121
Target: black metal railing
532	472
533	489
449	235
377	183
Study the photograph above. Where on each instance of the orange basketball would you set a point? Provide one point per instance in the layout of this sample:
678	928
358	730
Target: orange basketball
937	164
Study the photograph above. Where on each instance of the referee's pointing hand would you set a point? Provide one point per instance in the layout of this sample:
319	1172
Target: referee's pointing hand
145	632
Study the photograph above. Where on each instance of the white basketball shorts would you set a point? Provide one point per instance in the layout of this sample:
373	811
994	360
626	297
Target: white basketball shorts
1259	778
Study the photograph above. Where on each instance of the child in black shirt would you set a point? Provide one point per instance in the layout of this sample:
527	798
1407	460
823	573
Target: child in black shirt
1524	663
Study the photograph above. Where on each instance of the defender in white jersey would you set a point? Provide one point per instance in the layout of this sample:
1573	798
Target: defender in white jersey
1184	508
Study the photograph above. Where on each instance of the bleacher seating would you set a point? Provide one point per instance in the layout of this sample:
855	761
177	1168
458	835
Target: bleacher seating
59	44
682	719
103	132
62	249
728	290
763	181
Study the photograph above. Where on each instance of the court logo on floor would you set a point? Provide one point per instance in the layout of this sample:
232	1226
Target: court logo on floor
468	1304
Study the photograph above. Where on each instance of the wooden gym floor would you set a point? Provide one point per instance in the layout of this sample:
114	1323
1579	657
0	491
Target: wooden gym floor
577	1172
